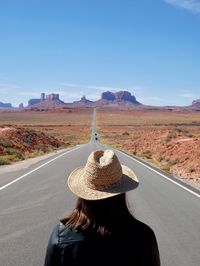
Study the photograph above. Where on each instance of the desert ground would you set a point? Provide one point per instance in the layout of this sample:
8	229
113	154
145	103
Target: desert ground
25	134
167	139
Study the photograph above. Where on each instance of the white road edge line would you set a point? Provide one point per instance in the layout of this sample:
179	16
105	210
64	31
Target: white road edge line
37	168
169	179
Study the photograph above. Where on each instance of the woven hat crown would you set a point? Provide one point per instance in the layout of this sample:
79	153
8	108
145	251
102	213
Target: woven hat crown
103	170
102	177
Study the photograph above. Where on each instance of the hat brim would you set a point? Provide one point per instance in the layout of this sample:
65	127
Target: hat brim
77	185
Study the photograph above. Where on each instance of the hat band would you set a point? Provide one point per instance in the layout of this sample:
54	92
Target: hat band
102	187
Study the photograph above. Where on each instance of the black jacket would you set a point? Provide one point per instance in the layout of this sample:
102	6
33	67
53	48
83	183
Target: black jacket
135	245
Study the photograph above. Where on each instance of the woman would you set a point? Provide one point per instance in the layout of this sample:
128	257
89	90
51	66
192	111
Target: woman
101	230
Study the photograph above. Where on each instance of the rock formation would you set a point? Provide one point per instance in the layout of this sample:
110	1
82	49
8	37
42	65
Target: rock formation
119	97
33	102
110	96
196	103
126	96
83	102
5	105
46	100
21	106
107	98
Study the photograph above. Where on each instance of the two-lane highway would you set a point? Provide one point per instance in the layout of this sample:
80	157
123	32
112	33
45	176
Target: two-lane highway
33	199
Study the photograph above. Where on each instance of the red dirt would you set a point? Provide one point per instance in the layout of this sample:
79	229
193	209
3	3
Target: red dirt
170	141
47	130
25	140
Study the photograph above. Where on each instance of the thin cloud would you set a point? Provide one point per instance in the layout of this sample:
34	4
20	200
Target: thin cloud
82	86
93	97
131	89
78	96
151	99
187	94
29	94
69	94
136	88
9	87
190	5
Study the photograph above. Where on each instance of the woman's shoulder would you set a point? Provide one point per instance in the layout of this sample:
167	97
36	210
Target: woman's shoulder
64	233
138	227
134	227
141	230
141	225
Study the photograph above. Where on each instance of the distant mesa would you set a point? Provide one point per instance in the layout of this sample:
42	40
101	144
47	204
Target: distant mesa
83	101
107	98
46	100
126	96
5	105
196	104
33	102
108	95
121	97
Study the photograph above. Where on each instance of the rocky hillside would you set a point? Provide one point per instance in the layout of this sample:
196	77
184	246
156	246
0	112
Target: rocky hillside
170	140
19	143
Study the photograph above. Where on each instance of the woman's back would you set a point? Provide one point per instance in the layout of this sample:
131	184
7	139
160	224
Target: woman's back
133	245
101	230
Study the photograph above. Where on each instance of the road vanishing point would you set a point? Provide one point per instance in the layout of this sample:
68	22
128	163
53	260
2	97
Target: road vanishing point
32	199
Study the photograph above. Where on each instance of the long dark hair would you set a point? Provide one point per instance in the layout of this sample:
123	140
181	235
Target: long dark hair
103	216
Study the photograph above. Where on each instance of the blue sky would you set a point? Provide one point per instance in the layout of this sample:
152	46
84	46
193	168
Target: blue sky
84	47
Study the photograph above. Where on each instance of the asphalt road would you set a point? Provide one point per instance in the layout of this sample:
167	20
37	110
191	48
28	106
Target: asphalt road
33	199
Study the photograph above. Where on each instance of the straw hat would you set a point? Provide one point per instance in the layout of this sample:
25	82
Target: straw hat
102	177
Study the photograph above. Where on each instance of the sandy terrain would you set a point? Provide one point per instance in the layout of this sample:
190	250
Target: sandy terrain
25	134
169	140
